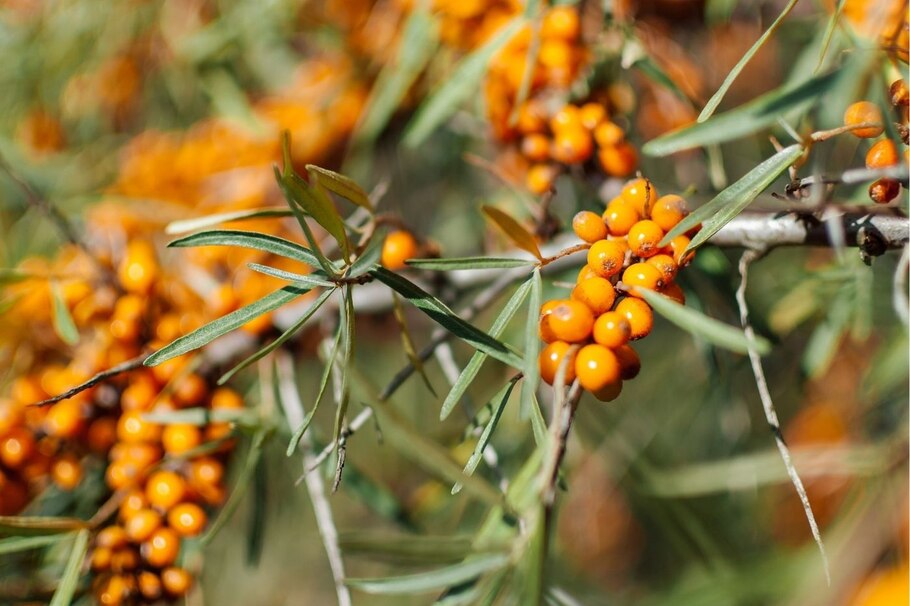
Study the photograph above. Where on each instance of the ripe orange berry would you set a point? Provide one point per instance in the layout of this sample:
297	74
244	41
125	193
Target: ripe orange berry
161	548
571	321
133	502
641	275
553	54
536	147
132	428
639	314
551	357
532	117
142	524
882	154
884	190
589	226
606	258
139	394
112	537
120	474
609	134
677	247
864	112
187	519
673	291
668	211
540	178
101	434
584	273
138	269
101	559
641	194
66	472
567	118
609	392
191	390
398	247
629	362
124	560
179	438
596	367
10	415
164	489
572	146
592	115
618	160
611	329
644	237
205	471
665	264
620	217
112	591
544	331
19	446
900	95
561	22
596	293
176	581
225	398
64	419
149	586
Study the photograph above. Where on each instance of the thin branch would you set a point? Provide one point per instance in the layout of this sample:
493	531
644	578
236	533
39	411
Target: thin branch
563	415
104	375
768	405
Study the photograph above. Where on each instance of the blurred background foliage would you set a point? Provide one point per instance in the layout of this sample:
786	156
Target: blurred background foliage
675	493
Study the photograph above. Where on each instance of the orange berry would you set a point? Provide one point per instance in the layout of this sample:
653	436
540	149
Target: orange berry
864	112
132	428
677	247
884	190
572	146
124	560
665	264
554	53
619	160
166	371
120	474
900	95
149	586
641	194
540	178
225	398
10	415
567	118
596	367
609	134
187	519
176	581
668	211
611	329
191	390
592	115
398	247
620	216
589	226
532	117
179	438
101	559
112	537
584	273
629	362
571	321
112	591
882	154
164	489
66	472
641	275
644	237
551	357
609	392
673	291
138	269
536	147
596	293
544	331
606	258
561	22
205	471
18	447
133	502
639	314
142	524
64	419
161	548
139	395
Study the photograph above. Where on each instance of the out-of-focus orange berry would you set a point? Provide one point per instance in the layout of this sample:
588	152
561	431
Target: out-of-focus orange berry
164	489
187	519
138	269
398	247
619	160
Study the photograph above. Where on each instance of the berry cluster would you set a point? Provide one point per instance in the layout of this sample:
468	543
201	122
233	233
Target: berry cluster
605	310
869	123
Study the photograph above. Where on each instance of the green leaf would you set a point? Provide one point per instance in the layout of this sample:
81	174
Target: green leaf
501	399
301	217
38	525
225	324
534	561
198	416
368	259
405	548
463	83
344	186
730	202
185	225
408	342
470	371
445	317
11	276
347	322
282	338
16	544
310	280
62	320
745	119
531	367
514	230
715	100
702	326
469	263
66	588
248	239
433	580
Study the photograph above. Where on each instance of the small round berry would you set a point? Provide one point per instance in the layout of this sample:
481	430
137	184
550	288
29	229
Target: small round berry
139	268
112	537
540	178
149	586
665	264
641	194
139	395
567	118
606	258
644	238
572	146
561	22
532	117
584	273
225	398
629	362
124	560
142	524
639	314
536	147
609	134
668	211
900	96
112	591
618	160
673	291
398	247
64	419
620	216
187	519
678	246
882	154
132	428
589	226
161	548
206	471
554	54
191	390
178	438
597	293
66	472
611	329
101	559
164	489
18	447
102	434
596	367
592	115
133	502
571	321
641	275
884	190
864	112
550	359
176	581
609	392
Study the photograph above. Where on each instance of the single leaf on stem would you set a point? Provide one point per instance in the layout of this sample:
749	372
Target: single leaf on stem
514	230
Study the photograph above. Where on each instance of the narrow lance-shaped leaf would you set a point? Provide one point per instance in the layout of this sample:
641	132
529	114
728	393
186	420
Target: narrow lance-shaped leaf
199	416
445	317
17	544
433	580
62	320
248	239
66	587
301	217
347	321
309	280
514	230
702	326
470	371
225	324
531	367
368	259
715	99
408	342
456	263
344	186
460	86
38	525
730	202
185	225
